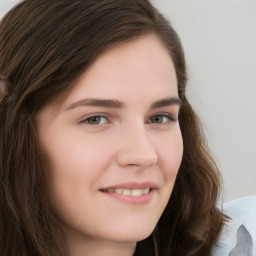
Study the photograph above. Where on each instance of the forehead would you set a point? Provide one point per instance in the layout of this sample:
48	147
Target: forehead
137	74
131	70
143	65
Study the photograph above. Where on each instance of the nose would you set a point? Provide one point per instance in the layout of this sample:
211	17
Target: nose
136	149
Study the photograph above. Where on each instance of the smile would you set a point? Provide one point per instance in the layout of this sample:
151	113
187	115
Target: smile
128	192
134	192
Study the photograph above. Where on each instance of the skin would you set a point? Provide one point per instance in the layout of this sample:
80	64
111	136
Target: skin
90	147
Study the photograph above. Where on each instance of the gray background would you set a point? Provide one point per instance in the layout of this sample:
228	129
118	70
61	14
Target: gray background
219	38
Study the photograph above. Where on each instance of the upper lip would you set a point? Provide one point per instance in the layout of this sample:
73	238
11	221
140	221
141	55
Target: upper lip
134	185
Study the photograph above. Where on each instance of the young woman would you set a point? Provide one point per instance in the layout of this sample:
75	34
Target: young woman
101	152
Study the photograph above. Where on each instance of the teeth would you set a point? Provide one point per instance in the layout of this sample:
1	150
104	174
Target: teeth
111	190
129	192
118	191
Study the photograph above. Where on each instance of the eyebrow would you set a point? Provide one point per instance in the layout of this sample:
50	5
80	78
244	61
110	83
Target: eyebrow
96	102
166	102
109	103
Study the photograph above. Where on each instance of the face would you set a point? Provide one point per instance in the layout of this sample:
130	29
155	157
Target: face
114	144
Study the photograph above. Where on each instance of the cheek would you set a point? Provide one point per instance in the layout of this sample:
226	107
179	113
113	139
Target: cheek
170	155
75	156
74	164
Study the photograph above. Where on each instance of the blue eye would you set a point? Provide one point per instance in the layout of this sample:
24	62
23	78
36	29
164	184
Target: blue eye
96	120
161	119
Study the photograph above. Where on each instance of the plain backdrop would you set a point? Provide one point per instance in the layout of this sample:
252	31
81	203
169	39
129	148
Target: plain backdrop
219	39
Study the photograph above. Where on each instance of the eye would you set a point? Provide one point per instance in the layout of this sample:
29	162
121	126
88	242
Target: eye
95	120
161	119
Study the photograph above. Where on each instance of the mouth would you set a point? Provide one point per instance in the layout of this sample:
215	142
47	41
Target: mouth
127	192
136	193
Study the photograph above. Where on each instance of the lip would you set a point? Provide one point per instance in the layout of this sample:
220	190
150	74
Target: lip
134	200
134	185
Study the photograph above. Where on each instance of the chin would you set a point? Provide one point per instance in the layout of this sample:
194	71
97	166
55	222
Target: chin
134	234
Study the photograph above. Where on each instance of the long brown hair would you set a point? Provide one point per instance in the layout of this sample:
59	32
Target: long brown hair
45	46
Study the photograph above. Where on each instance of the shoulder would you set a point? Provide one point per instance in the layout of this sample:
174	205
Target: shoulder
238	236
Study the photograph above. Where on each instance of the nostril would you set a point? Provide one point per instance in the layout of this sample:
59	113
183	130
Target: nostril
136	152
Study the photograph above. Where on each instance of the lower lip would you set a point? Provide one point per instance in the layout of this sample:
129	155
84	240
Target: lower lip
136	200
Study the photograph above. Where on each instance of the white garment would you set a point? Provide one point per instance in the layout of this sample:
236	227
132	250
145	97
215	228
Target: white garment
238	236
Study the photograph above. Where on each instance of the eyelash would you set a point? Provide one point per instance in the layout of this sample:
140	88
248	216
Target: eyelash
168	116
91	117
162	115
